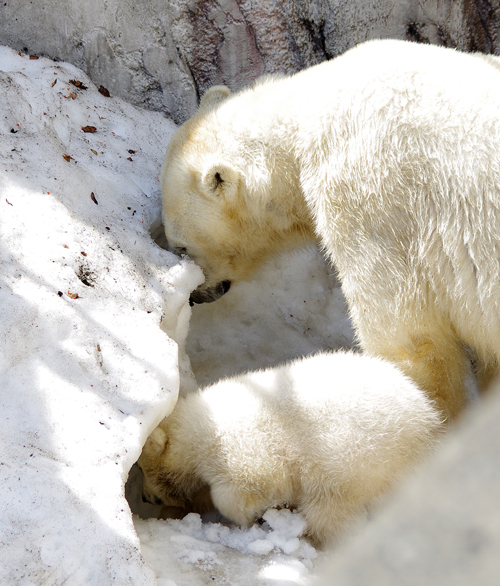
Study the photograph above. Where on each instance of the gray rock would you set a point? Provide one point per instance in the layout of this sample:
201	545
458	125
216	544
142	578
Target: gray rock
443	527
164	54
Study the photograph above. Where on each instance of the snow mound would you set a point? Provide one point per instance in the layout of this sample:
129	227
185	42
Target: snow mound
86	370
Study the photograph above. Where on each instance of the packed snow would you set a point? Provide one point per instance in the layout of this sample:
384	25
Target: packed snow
94	328
199	552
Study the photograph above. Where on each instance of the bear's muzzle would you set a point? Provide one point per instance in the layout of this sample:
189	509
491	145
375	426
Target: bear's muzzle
202	295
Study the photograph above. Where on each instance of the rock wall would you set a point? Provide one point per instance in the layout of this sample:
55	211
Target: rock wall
163	54
443	527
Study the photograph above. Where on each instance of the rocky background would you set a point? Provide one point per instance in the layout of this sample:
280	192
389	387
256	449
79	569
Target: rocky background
163	54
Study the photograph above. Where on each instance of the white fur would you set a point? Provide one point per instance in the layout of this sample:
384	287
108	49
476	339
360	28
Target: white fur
327	435
390	155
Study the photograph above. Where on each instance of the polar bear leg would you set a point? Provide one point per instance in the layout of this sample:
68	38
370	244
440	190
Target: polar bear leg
436	361
240	506
329	515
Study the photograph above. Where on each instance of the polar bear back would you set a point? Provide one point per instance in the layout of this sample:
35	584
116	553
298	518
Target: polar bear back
410	181
333	418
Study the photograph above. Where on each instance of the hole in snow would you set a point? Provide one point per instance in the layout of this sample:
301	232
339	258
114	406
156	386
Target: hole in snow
146	510
133	494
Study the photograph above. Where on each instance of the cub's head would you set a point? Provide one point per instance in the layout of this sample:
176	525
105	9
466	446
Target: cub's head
222	200
166	483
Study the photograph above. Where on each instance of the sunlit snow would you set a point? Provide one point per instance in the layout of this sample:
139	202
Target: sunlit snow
94	319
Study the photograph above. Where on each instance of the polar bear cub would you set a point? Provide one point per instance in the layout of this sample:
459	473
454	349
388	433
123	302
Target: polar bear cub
327	435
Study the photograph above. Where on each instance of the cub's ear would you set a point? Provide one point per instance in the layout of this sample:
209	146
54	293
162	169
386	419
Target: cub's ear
221	179
156	442
214	96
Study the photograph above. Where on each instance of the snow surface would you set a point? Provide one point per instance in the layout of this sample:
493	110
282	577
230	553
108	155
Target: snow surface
201	553
94	319
293	307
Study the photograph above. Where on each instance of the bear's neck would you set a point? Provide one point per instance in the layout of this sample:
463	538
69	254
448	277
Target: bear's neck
285	192
273	176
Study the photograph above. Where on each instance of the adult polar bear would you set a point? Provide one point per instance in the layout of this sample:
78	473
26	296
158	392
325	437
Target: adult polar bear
390	155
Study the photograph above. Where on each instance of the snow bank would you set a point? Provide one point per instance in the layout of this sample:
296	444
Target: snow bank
85	369
93	323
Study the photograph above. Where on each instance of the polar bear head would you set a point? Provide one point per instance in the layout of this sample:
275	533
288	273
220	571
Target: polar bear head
226	191
162	484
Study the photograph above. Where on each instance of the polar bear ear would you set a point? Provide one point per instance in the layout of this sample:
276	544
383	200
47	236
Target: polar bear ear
221	179
214	96
157	441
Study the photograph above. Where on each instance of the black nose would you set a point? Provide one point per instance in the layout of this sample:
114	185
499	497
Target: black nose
202	295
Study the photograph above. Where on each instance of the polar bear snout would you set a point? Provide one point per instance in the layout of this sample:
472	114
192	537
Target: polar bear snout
209	294
204	293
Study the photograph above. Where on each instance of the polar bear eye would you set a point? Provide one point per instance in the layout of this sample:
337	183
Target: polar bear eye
179	250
